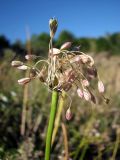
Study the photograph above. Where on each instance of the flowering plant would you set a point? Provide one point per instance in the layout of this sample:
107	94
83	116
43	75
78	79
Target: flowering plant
63	69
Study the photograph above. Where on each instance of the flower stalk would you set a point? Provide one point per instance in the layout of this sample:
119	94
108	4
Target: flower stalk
55	96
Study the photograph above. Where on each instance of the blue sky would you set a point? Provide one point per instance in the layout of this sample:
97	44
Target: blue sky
89	18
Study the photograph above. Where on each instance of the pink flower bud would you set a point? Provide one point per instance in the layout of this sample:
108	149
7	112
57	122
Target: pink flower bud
80	93
54	51
66	45
68	114
101	87
16	63
30	57
23	67
85	83
86	94
23	81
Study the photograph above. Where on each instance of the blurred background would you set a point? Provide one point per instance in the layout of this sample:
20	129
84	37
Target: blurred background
94	131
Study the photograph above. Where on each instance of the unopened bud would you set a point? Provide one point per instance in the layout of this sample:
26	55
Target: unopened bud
68	114
66	86
101	87
66	45
23	67
30	57
86	94
53	26
85	83
16	63
80	93
24	81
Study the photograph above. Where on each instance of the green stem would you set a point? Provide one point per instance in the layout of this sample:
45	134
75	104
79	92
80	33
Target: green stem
51	124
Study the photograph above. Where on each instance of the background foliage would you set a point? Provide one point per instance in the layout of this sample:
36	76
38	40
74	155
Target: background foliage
93	132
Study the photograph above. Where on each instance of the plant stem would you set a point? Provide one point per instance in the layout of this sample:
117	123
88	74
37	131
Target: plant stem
65	139
58	116
51	124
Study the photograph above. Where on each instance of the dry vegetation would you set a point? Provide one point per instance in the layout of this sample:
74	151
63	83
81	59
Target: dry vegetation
93	133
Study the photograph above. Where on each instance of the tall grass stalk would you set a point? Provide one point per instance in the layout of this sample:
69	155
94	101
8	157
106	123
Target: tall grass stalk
65	141
26	88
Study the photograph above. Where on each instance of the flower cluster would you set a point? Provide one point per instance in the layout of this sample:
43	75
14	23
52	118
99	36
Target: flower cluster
64	68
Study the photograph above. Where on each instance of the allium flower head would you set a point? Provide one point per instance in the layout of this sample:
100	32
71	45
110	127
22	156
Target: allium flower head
63	69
